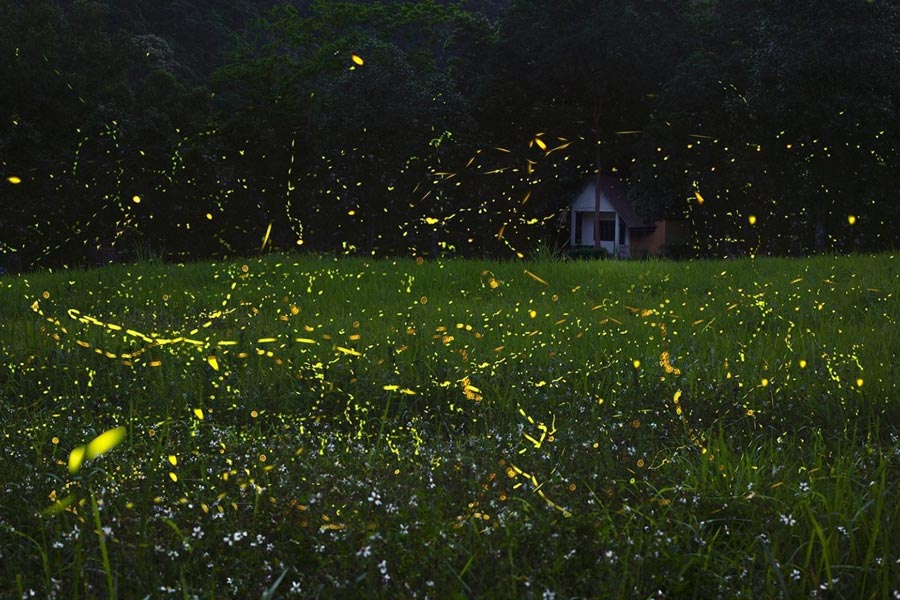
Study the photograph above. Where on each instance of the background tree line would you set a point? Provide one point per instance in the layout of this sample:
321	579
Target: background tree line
199	127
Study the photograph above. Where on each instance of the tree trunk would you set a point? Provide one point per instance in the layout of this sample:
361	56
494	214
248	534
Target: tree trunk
597	202
597	177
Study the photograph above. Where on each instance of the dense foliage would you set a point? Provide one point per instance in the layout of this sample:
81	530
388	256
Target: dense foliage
192	127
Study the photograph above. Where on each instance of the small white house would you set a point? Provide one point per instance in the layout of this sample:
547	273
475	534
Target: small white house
618	222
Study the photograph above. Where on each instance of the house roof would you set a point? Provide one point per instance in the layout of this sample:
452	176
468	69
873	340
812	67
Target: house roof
614	190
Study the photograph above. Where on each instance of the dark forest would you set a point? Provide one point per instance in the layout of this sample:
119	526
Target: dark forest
187	129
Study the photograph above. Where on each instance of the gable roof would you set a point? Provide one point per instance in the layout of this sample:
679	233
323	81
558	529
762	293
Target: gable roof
613	189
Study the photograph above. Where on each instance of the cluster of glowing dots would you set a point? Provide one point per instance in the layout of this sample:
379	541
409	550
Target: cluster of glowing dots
559	332
529	161
657	321
527	320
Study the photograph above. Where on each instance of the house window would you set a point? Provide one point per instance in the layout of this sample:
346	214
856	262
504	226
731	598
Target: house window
623	233
607	231
579	221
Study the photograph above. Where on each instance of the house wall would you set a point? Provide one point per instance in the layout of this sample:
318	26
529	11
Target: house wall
587	229
585	220
585	201
667	231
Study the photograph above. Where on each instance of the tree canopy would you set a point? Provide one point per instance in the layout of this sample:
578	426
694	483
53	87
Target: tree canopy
399	127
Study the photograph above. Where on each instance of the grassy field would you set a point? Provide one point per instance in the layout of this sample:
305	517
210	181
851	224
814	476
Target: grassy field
310	427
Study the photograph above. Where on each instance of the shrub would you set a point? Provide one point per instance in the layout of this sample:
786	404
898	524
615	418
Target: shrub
588	253
677	250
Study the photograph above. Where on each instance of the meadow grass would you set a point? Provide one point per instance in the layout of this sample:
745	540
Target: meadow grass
311	427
